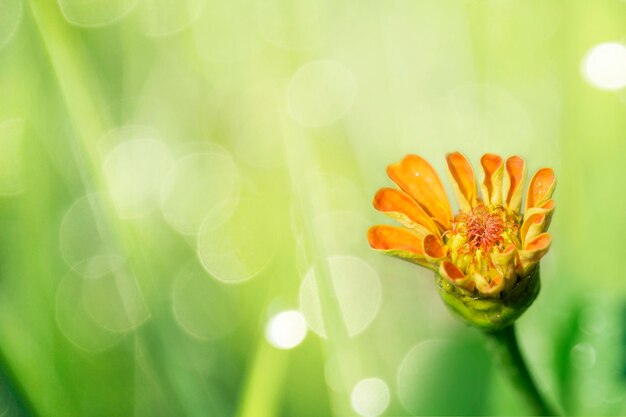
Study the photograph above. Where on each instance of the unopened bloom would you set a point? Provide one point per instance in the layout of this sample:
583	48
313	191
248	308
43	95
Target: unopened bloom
486	257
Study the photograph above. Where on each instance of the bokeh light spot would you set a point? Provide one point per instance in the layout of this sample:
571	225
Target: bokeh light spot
357	289
95	13
370	397
199	186
115	301
342	371
286	330
10	16
134	171
604	66
320	93
202	307
85	238
583	356
74	321
242	247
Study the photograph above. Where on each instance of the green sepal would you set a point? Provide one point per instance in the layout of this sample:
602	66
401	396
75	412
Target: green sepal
491	313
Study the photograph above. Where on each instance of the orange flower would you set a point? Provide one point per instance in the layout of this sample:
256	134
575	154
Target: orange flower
489	249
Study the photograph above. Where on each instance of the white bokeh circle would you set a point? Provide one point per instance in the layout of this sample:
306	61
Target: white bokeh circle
604	66
134	171
370	397
286	329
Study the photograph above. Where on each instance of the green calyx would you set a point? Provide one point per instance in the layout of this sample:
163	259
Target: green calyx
491	313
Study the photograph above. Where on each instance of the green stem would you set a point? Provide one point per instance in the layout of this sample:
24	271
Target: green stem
504	345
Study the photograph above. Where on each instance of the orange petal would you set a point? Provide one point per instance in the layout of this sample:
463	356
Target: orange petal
398	242
534	250
505	262
513	182
540	188
405	210
533	226
462	176
547	209
418	179
491	186
493	287
453	275
433	248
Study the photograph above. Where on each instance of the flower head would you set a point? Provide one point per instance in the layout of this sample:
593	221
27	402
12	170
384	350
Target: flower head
486	256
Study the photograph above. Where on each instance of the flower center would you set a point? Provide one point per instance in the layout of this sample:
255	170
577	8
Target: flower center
476	234
484	229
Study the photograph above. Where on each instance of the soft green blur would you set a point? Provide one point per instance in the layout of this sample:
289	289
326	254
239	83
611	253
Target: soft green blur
172	173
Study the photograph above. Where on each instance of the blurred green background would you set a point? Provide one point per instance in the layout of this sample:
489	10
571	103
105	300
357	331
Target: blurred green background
172	173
